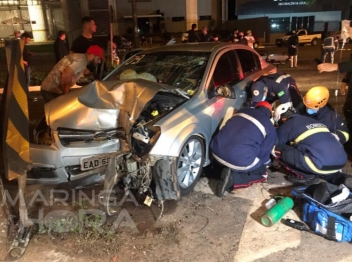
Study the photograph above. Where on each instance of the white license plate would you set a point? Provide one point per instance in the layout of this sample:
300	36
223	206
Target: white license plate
92	162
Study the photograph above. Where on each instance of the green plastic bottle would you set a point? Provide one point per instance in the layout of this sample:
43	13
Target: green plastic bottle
275	213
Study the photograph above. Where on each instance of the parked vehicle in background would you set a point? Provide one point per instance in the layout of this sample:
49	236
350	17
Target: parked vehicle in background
303	36
154	116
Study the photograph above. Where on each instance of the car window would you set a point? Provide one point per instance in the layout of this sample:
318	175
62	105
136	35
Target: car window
226	69
249	61
301	33
180	69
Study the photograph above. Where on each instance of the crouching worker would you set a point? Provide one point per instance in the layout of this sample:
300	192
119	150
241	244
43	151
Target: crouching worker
276	86
315	105
307	148
243	146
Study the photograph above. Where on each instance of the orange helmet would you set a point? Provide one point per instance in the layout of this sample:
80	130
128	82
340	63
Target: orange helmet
316	97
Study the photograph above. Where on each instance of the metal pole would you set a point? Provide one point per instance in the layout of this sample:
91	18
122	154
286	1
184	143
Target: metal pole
111	36
135	24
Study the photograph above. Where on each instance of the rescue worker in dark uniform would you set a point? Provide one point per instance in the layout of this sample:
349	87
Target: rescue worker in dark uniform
315	105
330	45
243	146
307	148
277	86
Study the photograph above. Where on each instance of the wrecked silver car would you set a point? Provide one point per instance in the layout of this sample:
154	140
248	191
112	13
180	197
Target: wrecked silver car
154	116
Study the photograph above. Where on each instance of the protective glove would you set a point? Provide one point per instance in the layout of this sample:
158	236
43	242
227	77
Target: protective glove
281	109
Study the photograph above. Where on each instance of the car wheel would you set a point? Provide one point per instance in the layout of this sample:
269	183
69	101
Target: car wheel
190	164
314	42
256	45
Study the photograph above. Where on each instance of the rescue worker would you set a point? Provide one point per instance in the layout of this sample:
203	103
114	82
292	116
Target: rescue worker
277	86
307	148
243	146
315	105
330	45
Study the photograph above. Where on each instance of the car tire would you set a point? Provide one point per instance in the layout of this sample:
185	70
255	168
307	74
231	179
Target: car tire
190	164
314	42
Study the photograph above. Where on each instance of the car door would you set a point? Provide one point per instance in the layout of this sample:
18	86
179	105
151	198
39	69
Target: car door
225	71
303	37
250	67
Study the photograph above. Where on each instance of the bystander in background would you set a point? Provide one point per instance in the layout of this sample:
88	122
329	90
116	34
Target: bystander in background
27	63
17	34
60	46
292	43
250	39
86	39
192	34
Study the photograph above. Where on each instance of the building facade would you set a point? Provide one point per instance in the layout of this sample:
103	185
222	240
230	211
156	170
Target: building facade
44	18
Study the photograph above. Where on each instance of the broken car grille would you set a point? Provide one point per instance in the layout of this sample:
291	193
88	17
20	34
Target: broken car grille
72	135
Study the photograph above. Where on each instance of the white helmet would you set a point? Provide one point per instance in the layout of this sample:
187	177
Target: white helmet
284	111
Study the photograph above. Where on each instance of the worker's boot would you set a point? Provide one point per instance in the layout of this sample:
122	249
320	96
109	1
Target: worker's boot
303	180
226	182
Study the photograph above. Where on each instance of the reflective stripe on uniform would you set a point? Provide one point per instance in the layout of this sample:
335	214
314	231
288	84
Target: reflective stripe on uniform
254	121
225	163
345	134
310	132
280	78
311	165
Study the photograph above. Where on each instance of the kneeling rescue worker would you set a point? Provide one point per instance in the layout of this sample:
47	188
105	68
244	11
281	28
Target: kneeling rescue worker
307	148
277	86
315	105
243	146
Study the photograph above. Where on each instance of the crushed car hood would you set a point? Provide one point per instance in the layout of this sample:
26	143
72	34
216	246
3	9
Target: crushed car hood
102	105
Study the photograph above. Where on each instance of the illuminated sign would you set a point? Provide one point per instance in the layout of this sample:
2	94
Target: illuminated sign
281	3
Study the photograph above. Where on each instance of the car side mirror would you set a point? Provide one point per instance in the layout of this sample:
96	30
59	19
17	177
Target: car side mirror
226	91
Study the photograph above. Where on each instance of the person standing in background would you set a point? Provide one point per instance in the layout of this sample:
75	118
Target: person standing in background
330	45
60	47
26	61
250	39
86	39
241	39
192	34
292	44
205	37
16	34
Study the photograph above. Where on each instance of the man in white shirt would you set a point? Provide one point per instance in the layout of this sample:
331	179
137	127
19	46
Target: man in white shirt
250	39
67	71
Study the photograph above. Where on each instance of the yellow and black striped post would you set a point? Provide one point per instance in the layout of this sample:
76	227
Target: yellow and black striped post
15	122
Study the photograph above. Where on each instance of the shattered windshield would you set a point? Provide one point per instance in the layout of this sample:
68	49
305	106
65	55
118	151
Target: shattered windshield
181	69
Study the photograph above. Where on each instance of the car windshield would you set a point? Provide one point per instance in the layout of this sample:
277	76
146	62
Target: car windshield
180	69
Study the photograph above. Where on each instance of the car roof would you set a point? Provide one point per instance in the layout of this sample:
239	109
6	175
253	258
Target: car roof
197	47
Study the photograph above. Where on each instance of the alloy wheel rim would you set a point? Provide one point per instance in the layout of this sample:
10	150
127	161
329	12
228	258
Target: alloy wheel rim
189	163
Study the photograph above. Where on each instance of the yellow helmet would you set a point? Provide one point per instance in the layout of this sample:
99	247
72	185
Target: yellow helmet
316	97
